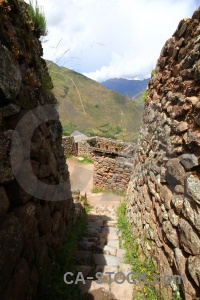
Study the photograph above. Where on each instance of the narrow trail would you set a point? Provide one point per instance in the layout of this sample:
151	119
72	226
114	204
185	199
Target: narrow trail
99	251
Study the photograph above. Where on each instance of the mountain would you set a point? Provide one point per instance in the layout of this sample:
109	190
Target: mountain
126	87
89	107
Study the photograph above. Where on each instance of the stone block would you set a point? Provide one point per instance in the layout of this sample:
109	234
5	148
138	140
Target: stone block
193	187
189	240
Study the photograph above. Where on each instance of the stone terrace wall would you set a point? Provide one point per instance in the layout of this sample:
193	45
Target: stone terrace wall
84	147
31	229
164	192
107	143
69	145
112	174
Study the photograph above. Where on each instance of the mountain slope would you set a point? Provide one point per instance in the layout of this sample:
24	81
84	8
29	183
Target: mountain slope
89	107
126	87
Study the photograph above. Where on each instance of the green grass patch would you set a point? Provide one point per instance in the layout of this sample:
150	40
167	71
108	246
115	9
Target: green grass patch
68	129
85	160
69	155
140	264
38	18
106	191
54	287
145	95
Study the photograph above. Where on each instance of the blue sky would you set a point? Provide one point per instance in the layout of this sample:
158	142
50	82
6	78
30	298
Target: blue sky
111	38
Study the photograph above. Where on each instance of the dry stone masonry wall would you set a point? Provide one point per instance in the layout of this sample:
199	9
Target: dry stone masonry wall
113	161
69	145
112	174
31	229
164	191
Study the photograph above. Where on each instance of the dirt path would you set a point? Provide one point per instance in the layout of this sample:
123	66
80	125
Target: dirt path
81	177
99	249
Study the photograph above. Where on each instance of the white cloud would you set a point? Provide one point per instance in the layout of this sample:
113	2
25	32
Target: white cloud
111	38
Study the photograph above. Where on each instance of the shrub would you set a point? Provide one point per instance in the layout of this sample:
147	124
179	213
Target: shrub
145	95
38	18
153	72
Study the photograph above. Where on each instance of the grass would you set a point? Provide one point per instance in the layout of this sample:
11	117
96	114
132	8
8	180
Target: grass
69	155
38	18
97	190
85	160
69	129
139	263
55	288
145	95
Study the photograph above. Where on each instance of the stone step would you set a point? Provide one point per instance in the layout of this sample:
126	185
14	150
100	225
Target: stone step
107	260
108	236
111	223
113	243
93	226
112	230
125	268
111	236
85	270
103	237
104	269
121	253
86	245
91	285
108	250
84	257
92	231
122	290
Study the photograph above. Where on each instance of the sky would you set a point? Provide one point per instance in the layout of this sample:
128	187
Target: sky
105	39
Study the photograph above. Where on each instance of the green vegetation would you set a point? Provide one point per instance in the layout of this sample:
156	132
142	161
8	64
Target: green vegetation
85	160
153	72
139	263
177	295
54	287
67	130
38	18
85	203
69	155
145	95
97	190
89	107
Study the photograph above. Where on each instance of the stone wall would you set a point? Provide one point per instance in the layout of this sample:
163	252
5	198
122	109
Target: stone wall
33	221
69	145
86	147
111	171
112	174
164	191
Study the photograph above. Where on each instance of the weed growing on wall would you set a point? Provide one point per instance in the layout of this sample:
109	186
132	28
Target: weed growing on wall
145	95
38	18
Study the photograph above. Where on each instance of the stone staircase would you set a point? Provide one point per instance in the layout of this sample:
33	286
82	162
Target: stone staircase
99	251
